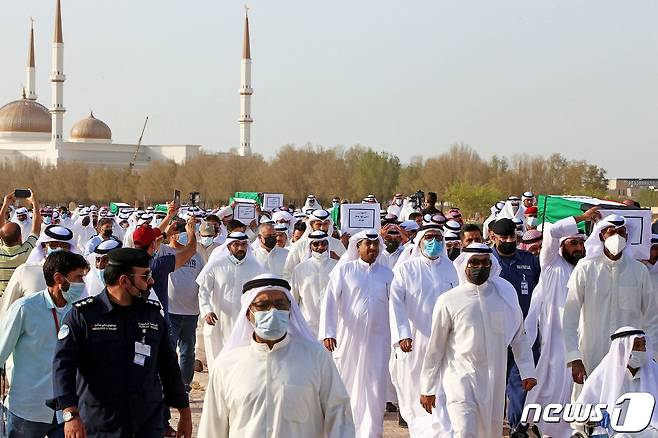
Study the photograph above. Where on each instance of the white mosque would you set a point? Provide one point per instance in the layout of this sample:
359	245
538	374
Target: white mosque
29	129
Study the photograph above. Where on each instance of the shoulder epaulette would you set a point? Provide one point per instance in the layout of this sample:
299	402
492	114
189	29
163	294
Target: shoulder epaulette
154	303
84	302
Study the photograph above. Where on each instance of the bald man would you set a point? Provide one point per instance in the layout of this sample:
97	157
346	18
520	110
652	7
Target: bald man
13	250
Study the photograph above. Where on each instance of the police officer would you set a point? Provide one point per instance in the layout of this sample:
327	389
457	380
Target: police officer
522	270
117	345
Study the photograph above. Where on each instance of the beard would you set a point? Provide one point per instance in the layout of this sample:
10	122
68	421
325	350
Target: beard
573	259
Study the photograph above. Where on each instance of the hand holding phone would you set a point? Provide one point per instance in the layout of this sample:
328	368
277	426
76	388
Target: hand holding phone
22	193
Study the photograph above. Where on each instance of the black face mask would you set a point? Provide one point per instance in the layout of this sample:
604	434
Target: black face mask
107	233
269	242
85	221
453	253
391	246
478	276
506	248
142	294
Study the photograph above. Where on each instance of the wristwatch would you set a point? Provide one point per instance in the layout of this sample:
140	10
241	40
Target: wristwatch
68	416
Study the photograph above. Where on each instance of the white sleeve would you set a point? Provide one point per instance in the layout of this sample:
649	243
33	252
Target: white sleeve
329	309
571	316
206	283
522	350
400	328
436	349
550	248
13	291
335	402
215	416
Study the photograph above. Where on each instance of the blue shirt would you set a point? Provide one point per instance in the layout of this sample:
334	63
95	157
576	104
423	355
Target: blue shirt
522	270
161	266
28	332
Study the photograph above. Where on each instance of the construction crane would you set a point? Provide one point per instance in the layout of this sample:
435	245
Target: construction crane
139	142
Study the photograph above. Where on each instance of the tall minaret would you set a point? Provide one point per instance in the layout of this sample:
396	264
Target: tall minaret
57	80
245	92
31	88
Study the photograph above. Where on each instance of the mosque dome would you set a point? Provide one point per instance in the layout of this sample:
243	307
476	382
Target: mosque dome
91	128
25	115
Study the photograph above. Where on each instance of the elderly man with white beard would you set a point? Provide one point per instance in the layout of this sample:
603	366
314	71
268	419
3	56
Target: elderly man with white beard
417	284
220	288
472	326
607	290
354	324
310	279
563	246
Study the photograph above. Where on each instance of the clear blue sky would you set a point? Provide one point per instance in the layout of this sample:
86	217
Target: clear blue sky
411	78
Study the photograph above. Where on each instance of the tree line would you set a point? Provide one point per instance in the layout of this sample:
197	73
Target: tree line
460	176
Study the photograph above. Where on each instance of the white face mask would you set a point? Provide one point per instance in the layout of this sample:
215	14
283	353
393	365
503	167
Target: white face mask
320	255
615	244
638	359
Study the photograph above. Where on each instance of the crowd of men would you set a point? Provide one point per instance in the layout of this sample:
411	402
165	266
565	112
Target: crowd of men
310	332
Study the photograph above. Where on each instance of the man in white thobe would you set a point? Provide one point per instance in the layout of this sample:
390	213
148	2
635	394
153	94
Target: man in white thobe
607	290
354	324
220	288
627	367
563	245
652	263
310	279
393	246
28	277
472	326
273	378
417	284
268	254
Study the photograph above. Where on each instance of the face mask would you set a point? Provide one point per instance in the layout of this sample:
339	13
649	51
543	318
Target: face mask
398	202
197	227
142	294
63	216
453	253
234	259
74	292
46	220
269	242
207	240
532	221
478	276
107	233
638	359
335	204
271	324
506	247
99	274
433	248
392	245
157	222
320	255
182	238
615	244
50	250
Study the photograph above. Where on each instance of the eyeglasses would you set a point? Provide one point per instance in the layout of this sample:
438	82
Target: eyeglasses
319	243
146	276
479	263
263	306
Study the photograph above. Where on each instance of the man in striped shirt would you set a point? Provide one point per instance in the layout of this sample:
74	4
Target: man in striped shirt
13	251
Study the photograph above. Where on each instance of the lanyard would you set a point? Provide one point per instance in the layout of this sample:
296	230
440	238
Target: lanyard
55	318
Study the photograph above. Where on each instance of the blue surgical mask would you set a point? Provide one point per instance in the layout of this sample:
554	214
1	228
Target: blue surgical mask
63	216
47	220
271	324
207	240
433	248
75	292
532	221
99	274
182	238
50	250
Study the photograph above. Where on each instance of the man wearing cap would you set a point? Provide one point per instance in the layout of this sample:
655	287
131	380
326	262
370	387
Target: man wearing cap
522	270
207	244
28	332
310	279
273	379
354	324
15	248
563	246
28	277
417	284
117	344
220	287
608	289
272	257
472	327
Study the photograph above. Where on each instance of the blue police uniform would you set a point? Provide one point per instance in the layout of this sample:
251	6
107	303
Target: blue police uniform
522	270
125	365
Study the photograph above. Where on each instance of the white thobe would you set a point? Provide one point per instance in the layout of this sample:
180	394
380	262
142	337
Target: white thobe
633	384
472	327
273	261
26	228
26	280
309	281
554	381
653	273
293	390
355	313
417	284
299	252
605	295
390	259
220	290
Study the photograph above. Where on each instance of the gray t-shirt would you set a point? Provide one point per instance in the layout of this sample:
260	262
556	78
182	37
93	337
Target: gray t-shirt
183	290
